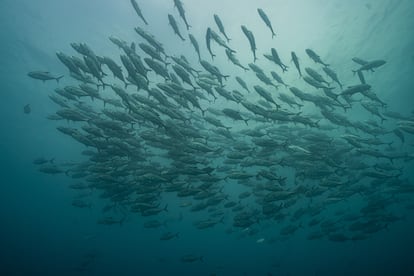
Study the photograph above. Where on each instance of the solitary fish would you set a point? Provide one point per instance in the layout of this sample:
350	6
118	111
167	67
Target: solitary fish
190	258
27	109
138	11
174	25
266	21
44	76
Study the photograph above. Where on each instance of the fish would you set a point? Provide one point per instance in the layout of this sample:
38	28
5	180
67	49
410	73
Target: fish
169	236
276	59
165	130
359	88
266	20
359	61
221	27
266	95
313	56
252	42
331	73
278	78
315	83
234	114
234	60
195	45
220	41
208	43
138	11
174	25
296	62
27	109
315	75
370	66
179	5
150	39
242	83
44	76
361	77
191	258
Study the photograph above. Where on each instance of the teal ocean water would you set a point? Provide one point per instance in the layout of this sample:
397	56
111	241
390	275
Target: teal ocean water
173	137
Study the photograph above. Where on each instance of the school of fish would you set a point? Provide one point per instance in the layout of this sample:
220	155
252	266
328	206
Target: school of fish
243	149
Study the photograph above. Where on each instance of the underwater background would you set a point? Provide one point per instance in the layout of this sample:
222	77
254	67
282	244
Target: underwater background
43	233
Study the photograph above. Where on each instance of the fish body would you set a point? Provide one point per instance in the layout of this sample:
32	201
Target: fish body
208	42
266	20
27	109
220	26
316	58
138	11
44	76
296	62
179	5
252	42
174	25
276	59
194	42
242	83
370	66
234	60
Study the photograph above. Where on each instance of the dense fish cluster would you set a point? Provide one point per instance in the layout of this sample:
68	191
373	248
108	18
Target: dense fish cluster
247	150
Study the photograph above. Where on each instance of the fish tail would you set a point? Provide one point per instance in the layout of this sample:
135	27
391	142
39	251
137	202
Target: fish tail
58	78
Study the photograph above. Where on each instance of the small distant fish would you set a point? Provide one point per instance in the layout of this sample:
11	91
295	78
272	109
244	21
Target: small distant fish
27	109
42	160
50	169
168	236
44	76
190	258
260	240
